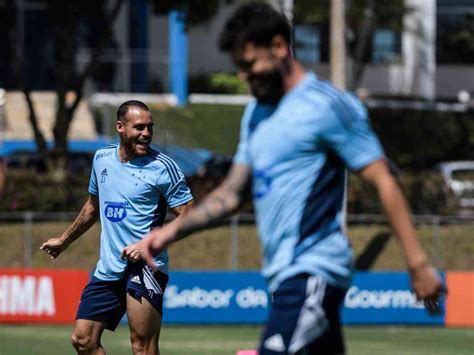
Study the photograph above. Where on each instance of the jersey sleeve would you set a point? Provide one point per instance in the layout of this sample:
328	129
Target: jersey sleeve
242	156
347	132
172	185
93	188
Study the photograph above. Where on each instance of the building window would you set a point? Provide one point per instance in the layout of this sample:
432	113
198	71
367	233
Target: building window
455	31
307	43
385	46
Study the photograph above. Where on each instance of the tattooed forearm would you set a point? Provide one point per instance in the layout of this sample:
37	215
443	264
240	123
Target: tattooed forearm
87	217
221	203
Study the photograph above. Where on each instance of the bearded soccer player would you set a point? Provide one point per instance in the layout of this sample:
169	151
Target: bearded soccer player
131	187
297	137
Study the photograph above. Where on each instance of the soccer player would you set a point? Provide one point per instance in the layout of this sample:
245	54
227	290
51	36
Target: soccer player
130	188
296	139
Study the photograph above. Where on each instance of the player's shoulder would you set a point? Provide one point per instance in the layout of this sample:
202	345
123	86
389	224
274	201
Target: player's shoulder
159	157
107	151
321	100
163	162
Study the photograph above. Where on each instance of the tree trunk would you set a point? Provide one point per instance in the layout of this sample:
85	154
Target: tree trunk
65	74
18	69
359	56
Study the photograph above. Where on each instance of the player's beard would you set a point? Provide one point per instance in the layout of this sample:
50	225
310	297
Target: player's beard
268	87
131	145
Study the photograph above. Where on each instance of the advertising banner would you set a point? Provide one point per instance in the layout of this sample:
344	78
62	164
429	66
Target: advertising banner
384	298
40	296
216	297
52	296
241	297
460	300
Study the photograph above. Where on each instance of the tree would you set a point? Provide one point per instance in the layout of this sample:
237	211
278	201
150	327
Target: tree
363	17
64	20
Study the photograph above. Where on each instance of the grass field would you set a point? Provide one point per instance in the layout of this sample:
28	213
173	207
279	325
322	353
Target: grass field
214	340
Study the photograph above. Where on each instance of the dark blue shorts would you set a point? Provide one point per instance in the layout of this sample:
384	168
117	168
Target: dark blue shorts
304	318
105	301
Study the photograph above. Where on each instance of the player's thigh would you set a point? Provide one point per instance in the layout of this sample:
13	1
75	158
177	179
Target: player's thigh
103	301
143	318
145	289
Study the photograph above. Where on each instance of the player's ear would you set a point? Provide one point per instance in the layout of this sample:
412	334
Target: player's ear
119	126
279	47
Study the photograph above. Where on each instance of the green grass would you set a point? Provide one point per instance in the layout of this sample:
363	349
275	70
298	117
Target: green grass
214	340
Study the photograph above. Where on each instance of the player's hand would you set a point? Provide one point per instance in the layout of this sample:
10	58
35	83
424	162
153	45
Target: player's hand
132	253
428	287
153	243
54	247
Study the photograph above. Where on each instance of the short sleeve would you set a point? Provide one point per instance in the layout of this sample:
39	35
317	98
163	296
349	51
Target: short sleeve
242	156
347	132
172	184
93	188
253	115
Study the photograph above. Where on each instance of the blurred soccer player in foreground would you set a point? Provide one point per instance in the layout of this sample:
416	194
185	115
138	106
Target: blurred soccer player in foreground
296	139
130	188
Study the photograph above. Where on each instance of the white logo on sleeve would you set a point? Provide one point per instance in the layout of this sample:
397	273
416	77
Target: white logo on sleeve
274	343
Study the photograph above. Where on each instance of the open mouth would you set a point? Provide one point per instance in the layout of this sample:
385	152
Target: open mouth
143	144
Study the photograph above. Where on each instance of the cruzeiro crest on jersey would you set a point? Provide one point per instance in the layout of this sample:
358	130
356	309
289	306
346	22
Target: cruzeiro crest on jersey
103	175
116	211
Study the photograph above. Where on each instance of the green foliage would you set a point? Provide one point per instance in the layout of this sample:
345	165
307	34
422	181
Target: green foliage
26	190
217	83
426	194
386	14
417	140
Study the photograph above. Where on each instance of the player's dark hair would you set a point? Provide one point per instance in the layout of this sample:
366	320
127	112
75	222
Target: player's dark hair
123	109
254	22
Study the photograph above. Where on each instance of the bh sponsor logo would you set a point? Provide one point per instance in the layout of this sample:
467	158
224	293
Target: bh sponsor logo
214	298
381	299
27	295
115	211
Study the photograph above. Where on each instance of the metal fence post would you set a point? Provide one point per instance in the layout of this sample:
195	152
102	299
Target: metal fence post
28	236
234	242
436	248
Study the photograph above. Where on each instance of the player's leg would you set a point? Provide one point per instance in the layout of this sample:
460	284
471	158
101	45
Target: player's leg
102	306
145	290
303	317
86	337
145	325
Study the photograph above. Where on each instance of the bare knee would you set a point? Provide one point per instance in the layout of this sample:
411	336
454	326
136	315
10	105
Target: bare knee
83	343
142	345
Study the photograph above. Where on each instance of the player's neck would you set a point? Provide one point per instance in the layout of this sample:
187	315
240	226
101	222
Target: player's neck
125	154
295	75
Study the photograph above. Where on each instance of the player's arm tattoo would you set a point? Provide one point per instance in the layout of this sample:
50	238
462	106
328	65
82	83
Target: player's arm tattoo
88	215
221	203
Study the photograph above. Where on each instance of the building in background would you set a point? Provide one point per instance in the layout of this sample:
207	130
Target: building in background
430	59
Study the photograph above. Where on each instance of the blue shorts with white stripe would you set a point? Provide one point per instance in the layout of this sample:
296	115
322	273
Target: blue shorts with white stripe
106	301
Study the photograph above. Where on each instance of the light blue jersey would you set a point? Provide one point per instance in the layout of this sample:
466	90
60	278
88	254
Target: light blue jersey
133	197
298	151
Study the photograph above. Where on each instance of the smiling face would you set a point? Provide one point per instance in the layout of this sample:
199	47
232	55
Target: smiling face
135	131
